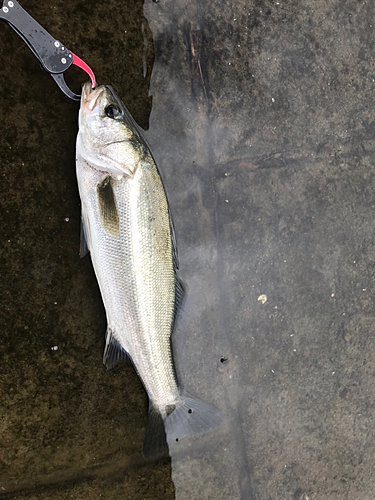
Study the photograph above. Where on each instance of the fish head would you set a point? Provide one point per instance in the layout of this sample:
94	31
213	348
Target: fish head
106	137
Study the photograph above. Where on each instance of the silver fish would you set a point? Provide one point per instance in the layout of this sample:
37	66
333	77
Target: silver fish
128	230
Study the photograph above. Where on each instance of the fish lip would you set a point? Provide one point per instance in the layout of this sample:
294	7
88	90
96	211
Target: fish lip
90	96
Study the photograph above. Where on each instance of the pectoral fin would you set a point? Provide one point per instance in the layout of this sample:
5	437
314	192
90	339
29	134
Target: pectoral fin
108	212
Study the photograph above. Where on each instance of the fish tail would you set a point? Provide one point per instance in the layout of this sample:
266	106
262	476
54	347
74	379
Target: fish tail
155	442
191	416
187	417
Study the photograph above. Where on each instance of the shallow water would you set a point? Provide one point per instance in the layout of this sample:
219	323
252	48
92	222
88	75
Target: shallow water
261	119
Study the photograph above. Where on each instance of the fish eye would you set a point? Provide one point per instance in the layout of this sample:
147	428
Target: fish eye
113	111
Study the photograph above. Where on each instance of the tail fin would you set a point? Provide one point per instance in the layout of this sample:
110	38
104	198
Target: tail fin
155	442
191	416
188	416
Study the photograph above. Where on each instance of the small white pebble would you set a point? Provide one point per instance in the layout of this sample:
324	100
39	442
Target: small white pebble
294	350
66	219
332	294
262	298
272	99
54	348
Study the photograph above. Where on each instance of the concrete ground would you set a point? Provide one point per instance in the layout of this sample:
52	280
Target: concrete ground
262	123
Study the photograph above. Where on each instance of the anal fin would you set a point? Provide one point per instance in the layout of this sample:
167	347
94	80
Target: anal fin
114	352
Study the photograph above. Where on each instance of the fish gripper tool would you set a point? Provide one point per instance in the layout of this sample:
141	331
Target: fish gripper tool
53	56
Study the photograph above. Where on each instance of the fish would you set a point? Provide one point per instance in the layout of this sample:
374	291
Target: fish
128	229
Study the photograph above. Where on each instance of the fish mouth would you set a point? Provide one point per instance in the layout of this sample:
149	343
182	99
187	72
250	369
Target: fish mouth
90	96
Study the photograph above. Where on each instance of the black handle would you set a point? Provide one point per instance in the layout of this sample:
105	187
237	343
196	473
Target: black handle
53	56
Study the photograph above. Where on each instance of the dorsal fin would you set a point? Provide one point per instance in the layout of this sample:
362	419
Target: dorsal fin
180	295
173	239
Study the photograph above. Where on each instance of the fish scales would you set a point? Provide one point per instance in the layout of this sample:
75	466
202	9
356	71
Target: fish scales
140	307
129	233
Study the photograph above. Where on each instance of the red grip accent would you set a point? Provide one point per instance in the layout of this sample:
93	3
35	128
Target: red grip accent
77	61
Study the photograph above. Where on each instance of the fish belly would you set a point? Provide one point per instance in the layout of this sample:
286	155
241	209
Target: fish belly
135	271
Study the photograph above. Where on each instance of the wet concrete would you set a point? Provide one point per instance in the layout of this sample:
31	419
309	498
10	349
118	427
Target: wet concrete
272	157
262	123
